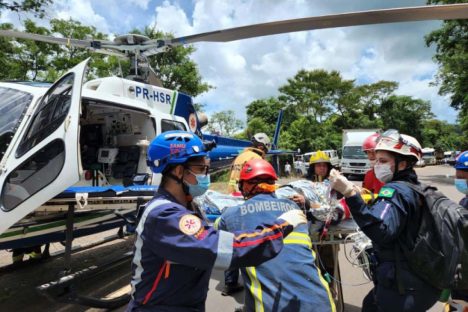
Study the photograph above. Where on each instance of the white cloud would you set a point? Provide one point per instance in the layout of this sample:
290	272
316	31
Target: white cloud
81	10
249	69
172	18
143	4
245	70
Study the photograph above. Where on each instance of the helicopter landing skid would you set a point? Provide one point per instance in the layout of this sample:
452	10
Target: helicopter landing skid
65	289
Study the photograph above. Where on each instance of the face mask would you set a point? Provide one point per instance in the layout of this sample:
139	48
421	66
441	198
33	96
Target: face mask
203	183
372	163
383	173
461	186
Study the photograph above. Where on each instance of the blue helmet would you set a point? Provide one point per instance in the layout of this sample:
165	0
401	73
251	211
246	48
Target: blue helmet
173	147
462	161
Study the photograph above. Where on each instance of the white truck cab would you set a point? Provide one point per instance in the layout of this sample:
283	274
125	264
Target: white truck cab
353	158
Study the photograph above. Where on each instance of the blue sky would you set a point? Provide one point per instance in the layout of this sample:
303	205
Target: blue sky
243	71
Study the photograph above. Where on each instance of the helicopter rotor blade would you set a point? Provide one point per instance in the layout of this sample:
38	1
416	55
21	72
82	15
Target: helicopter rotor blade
410	14
99	46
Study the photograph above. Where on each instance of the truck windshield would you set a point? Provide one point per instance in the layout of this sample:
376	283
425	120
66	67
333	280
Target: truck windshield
13	106
429	154
353	152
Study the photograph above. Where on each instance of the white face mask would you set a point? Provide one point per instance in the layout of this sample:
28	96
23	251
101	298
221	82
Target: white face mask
372	163
383	172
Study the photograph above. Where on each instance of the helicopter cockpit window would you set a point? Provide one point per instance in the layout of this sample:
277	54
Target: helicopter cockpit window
13	106
168	125
49	115
33	175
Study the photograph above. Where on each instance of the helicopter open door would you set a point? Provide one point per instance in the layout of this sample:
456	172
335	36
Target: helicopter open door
44	158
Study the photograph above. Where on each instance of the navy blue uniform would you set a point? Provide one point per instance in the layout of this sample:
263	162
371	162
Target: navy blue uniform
464	202
291	281
175	251
392	214
455	294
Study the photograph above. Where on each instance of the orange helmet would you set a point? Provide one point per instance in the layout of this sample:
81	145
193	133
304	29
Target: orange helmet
370	142
257	168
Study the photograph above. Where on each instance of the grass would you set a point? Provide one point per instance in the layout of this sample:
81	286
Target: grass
219	181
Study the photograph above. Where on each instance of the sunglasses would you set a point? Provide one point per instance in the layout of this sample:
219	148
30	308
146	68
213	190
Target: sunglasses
201	169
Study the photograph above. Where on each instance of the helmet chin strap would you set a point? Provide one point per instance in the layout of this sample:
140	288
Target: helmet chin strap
180	181
246	195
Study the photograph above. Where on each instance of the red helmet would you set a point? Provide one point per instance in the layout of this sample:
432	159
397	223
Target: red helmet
257	168
370	142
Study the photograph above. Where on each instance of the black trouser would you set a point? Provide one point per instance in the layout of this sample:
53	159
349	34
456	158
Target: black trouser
417	296
231	276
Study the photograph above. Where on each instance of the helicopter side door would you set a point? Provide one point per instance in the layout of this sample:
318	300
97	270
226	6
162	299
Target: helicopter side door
45	159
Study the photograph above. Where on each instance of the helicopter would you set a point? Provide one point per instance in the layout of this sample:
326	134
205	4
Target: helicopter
75	161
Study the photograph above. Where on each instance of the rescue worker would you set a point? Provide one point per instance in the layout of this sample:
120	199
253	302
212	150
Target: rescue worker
291	281
260	146
370	182
319	167
397	287
175	249
319	171
461	183
461	177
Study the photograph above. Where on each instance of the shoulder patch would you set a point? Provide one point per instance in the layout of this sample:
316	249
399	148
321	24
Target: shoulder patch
189	224
386	192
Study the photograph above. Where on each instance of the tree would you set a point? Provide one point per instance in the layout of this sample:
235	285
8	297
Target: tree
224	123
451	41
256	125
25	59
442	135
315	92
7	52
32	60
372	96
405	114
34	6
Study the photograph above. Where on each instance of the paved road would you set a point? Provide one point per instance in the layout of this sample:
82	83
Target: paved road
17	289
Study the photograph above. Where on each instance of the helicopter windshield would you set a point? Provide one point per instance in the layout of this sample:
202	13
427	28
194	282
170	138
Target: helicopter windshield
13	106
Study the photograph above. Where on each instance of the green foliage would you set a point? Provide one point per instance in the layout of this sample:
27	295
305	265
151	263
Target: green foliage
313	93
224	123
319	104
451	41
405	114
256	125
37	7
441	135
220	176
32	60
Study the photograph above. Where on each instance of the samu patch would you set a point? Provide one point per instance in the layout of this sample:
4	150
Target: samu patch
386	192
189	224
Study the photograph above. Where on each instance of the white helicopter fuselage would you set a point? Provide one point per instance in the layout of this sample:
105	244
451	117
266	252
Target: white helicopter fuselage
73	138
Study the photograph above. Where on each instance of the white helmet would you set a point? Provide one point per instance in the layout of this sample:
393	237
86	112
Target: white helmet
392	141
261	139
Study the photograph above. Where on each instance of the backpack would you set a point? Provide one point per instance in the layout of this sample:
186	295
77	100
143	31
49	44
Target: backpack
438	253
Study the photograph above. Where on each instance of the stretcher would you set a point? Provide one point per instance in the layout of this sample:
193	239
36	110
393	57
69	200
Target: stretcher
336	235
